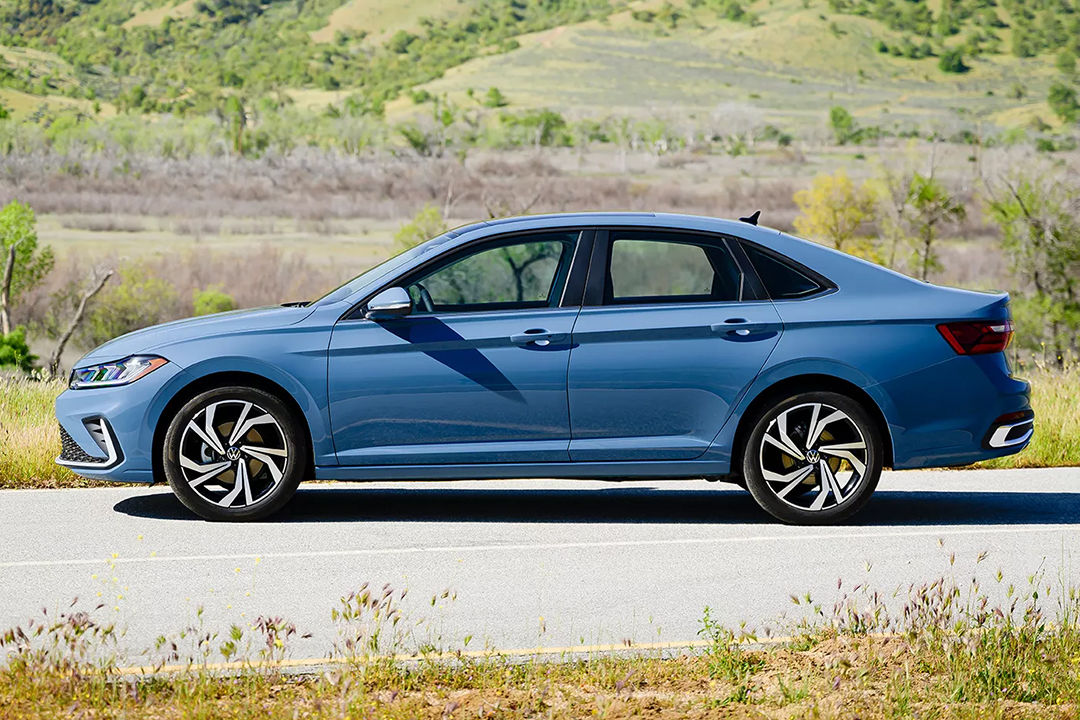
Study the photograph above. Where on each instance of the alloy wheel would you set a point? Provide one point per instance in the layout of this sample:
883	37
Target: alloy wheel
233	453
813	456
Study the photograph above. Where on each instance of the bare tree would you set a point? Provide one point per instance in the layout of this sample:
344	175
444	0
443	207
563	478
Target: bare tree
96	284
5	290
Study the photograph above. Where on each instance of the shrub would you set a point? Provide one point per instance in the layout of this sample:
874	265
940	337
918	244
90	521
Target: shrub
494	98
14	352
212	300
952	61
426	224
137	301
1062	100
842	124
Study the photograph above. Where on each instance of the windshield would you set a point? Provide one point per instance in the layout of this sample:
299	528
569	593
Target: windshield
384	268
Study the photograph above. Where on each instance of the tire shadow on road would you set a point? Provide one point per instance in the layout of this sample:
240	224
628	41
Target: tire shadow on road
628	506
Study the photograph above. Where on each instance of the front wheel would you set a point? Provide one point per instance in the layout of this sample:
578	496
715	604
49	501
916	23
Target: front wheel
234	453
813	458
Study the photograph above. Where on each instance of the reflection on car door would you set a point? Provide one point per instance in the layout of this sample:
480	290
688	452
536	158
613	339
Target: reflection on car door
671	334
477	372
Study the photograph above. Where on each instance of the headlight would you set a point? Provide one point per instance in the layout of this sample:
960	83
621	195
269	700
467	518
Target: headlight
120	372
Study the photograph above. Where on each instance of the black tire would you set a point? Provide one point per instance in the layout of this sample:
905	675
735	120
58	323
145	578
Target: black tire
269	483
787	497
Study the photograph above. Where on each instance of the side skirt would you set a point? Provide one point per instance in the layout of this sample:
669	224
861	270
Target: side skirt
492	471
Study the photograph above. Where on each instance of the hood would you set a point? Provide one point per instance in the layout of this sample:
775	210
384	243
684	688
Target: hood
156	339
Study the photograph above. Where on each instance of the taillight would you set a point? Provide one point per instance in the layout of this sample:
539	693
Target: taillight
978	336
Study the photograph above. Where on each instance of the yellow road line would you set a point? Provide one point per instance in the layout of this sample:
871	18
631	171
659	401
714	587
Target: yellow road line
488	653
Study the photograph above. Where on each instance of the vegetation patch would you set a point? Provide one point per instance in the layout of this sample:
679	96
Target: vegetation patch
939	650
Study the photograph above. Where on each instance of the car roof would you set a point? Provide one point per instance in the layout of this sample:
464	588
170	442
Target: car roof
673	221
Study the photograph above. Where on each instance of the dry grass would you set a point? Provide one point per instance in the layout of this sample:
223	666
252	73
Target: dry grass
943	650
30	438
1055	396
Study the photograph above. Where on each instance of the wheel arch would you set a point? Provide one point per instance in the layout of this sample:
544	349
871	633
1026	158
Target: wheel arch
223	379
804	383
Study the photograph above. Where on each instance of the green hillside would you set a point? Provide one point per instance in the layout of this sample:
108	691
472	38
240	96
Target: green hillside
900	66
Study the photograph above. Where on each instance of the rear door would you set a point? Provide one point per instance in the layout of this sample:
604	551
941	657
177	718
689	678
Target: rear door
672	332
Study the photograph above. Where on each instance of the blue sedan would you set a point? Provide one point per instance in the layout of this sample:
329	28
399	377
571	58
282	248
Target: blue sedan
603	345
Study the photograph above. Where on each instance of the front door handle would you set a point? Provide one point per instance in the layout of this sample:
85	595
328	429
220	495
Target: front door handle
538	337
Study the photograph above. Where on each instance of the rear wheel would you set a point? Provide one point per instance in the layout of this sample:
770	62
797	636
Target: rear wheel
234	453
813	458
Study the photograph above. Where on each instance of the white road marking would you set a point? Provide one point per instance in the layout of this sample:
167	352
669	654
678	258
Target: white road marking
929	532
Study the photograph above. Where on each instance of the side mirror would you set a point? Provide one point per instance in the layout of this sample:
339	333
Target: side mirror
390	303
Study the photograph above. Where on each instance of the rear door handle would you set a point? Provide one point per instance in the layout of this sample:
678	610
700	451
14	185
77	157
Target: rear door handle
741	327
537	336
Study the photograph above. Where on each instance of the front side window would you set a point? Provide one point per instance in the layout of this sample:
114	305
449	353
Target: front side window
670	268
514	274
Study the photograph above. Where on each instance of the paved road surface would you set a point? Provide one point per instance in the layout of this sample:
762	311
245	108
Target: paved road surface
551	563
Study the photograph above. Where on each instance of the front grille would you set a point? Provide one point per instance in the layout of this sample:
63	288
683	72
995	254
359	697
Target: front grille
72	452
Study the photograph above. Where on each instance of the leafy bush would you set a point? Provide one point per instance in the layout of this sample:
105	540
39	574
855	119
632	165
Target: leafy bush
1062	100
952	61
494	98
212	300
137	301
842	124
426	224
14	352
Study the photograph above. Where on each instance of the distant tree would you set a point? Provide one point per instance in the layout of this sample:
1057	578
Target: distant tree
842	124
1065	62
952	61
494	98
97	282
212	300
834	210
1039	216
140	299
426	224
1062	100
24	265
931	205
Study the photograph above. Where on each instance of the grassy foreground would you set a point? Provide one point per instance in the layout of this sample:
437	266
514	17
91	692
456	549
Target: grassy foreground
942	651
30	440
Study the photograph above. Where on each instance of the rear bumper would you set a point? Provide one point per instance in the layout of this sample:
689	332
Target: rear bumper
949	413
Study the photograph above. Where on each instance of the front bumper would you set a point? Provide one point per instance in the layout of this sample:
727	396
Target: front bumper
108	433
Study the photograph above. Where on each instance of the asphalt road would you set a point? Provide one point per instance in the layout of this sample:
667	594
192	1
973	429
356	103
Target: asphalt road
527	563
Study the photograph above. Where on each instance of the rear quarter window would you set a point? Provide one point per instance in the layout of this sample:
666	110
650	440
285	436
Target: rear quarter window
782	281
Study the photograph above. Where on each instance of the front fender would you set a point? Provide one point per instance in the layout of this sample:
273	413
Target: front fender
305	383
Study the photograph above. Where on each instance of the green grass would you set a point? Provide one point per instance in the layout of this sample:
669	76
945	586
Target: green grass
29	439
1055	397
946	649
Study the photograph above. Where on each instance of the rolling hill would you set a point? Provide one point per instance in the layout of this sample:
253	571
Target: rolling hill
938	66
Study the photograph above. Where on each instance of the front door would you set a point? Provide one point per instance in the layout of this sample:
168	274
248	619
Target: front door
672	333
476	373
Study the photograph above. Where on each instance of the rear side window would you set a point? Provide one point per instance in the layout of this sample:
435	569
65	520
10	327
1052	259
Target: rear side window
670	268
781	281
